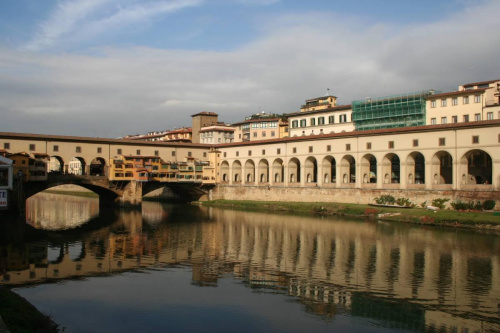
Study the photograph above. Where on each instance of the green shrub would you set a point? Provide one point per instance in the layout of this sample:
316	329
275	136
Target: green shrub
489	204
462	205
423	204
404	202
385	200
440	202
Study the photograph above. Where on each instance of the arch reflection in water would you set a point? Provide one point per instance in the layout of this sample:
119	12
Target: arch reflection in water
60	212
407	277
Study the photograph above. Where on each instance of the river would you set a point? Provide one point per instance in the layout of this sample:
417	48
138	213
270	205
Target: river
183	268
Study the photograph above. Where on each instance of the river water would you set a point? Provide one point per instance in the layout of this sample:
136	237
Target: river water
180	268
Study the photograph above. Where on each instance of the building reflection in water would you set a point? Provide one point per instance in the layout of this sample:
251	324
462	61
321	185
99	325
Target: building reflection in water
407	276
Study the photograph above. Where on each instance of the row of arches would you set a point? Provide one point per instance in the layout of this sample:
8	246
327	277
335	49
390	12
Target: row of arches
78	166
475	167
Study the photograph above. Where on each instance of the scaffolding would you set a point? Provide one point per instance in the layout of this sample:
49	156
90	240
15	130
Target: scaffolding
390	111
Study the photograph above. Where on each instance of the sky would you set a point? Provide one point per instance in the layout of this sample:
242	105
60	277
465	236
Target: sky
110	68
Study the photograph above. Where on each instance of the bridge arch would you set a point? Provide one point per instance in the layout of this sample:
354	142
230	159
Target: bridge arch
329	169
391	169
98	167
476	167
249	171
224	170
369	169
278	171
56	165
415	168
263	172
348	169
442	168
77	166
311	170
237	171
294	170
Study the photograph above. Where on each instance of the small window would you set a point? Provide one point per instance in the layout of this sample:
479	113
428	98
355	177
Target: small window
138	152
348	146
55	148
391	144
157	153
477	117
173	153
237	153
415	142
32	147
454	101
328	148
190	154
294	150
454	119
225	154
254	134
321	120
302	123
477	98
263	152
263	134
466	118
273	133
78	149
295	123
442	141
475	139
368	145
6	145
118	151
331	119
443	102
444	120
278	151
312	121
99	150
249	153
433	121
466	100
310	149
433	104
204	154
489	116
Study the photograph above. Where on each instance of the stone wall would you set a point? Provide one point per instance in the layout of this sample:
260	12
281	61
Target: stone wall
343	195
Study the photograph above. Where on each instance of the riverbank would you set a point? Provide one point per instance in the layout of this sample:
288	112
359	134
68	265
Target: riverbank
448	218
21	316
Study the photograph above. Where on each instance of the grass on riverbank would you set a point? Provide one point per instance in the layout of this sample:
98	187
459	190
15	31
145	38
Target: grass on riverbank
487	220
20	316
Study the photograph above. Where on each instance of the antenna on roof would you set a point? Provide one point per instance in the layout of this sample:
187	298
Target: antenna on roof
327	92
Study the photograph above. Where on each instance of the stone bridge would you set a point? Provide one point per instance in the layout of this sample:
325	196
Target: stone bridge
122	193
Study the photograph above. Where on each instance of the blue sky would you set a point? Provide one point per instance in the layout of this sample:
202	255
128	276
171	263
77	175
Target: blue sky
115	67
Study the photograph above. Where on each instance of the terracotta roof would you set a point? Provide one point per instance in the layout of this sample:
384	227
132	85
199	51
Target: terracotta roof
387	131
479	83
457	93
335	108
217	128
205	113
82	139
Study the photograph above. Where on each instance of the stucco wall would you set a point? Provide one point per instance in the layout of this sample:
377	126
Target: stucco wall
343	195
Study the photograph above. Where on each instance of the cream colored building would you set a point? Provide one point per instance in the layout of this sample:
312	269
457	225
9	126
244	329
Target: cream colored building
462	157
471	102
257	129
216	134
335	119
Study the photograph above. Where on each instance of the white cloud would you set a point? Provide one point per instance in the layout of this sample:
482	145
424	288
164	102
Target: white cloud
132	90
79	20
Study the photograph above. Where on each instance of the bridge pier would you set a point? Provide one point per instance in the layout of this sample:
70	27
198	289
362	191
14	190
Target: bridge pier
132	195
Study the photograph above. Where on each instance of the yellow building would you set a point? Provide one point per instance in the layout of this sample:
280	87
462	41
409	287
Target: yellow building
471	102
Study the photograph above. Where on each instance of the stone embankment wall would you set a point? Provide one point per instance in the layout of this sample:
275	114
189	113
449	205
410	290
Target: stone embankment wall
343	195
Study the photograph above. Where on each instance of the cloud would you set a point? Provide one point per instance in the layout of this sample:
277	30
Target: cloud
80	20
138	89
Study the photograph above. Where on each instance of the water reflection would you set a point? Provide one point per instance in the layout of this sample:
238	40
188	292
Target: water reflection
404	277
